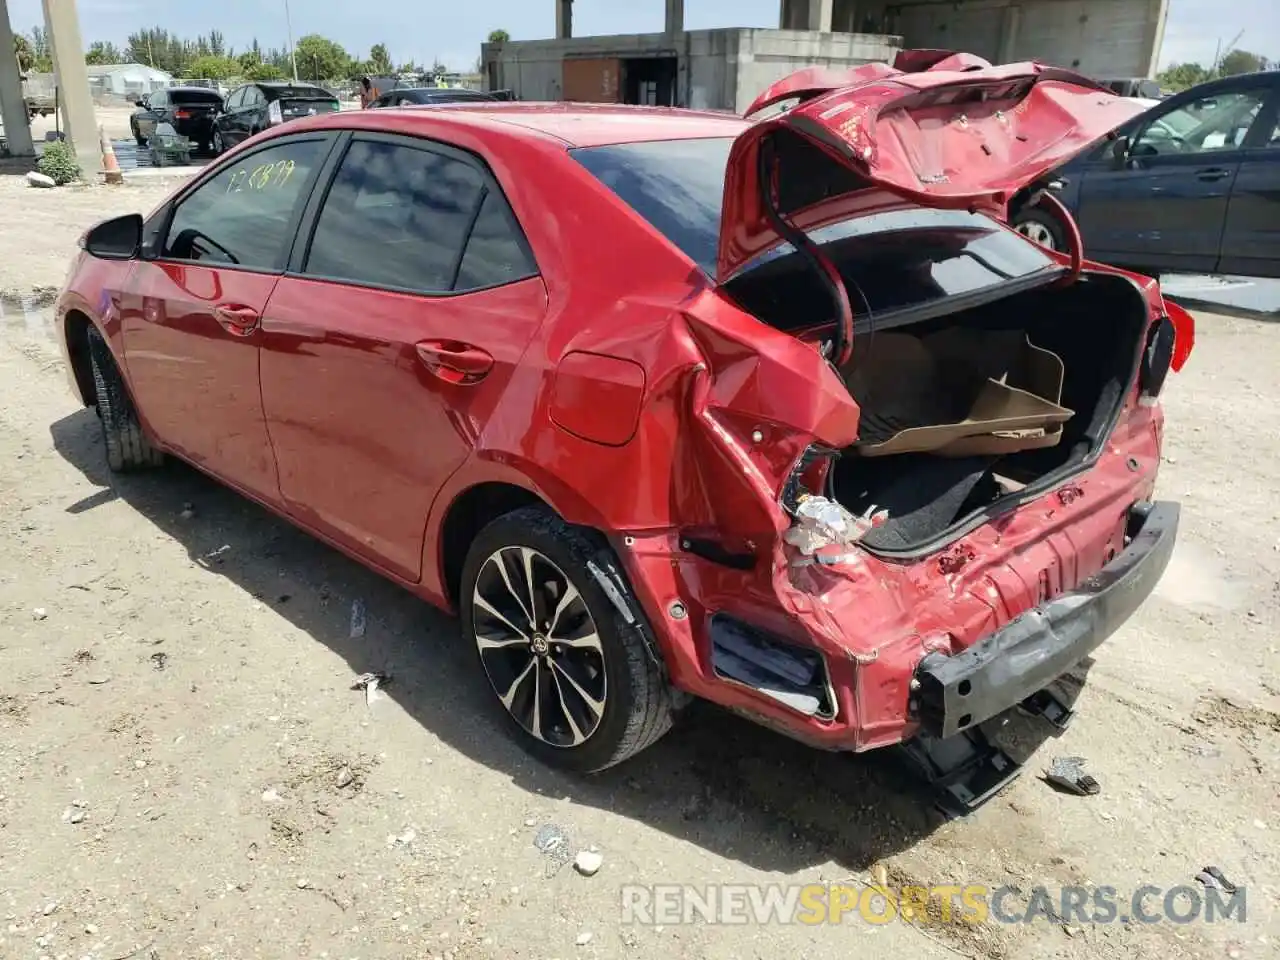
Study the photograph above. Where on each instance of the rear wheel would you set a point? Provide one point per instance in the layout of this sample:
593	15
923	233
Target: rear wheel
576	682
127	447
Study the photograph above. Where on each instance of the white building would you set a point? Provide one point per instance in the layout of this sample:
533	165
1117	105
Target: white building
122	78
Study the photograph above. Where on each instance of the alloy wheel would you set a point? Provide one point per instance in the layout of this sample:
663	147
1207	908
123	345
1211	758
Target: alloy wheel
1037	233
539	646
217	143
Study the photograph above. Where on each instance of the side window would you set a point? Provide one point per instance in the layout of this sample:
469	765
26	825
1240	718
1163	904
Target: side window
496	253
395	216
253	97
236	98
243	216
1204	125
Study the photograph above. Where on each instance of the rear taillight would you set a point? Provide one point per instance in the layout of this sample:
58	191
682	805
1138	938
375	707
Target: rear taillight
273	112
182	114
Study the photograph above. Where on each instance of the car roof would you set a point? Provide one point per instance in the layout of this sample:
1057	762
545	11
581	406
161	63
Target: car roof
192	90
571	124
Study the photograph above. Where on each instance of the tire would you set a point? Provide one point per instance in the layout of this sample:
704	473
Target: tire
597	658
217	145
1042	227
127	447
137	136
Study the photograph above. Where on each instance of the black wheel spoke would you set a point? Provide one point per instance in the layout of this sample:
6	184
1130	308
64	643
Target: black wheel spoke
539	646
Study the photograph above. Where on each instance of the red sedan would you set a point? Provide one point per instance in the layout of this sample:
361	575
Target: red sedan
668	404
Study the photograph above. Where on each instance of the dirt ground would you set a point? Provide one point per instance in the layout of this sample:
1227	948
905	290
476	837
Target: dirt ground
186	772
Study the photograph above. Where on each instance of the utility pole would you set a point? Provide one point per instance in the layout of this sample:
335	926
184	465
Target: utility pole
288	25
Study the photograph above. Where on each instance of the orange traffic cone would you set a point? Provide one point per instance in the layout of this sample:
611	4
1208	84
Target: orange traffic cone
110	166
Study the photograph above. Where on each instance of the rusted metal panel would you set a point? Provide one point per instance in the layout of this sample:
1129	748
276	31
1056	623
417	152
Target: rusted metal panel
593	81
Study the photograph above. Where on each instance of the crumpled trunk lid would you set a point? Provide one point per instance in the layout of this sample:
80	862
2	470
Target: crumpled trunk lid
955	133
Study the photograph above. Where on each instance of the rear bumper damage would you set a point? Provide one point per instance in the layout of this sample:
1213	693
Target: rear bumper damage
871	652
1025	656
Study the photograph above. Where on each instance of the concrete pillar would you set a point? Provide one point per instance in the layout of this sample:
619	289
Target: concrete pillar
675	17
13	109
820	12
78	121
1157	17
1010	21
564	19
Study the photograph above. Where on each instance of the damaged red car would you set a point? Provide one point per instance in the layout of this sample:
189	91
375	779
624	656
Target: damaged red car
668	405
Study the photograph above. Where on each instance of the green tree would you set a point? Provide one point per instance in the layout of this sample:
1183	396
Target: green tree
264	71
499	36
1180	76
103	52
43	52
380	59
1241	61
320	58
209	67
25	54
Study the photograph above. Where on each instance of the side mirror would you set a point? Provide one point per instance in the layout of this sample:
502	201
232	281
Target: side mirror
1120	151
144	103
119	238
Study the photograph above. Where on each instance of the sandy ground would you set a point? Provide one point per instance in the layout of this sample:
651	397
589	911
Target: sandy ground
185	771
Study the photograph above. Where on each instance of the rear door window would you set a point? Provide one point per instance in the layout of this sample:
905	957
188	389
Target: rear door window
396	216
496	250
244	215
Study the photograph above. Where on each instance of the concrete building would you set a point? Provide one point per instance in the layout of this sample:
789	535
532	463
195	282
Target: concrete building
62	24
118	79
726	69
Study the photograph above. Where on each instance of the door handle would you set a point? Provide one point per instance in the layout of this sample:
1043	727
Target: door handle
1213	173
238	321
453	361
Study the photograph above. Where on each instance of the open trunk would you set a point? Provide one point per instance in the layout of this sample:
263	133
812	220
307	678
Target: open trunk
962	470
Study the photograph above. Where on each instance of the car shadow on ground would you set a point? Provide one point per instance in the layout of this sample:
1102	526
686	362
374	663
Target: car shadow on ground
717	781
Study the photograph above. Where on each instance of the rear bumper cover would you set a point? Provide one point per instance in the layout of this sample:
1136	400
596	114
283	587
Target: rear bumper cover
1026	655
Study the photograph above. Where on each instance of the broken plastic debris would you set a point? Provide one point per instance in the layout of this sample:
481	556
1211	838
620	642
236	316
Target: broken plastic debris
1067	773
369	683
1213	877
820	522
357	619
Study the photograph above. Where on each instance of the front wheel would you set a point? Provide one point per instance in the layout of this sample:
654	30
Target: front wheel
127	446
577	684
1040	226
217	144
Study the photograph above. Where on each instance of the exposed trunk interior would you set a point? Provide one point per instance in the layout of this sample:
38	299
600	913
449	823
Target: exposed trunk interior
1094	326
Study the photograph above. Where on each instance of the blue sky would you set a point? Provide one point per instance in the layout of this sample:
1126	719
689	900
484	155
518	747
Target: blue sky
413	31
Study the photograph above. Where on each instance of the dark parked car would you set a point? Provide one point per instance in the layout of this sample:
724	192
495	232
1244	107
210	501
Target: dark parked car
419	96
189	110
1192	184
254	107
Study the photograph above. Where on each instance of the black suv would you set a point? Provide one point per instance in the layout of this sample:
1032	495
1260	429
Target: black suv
189	110
256	106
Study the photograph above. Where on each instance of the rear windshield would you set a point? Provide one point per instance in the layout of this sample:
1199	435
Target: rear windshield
897	259
194	96
304	93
